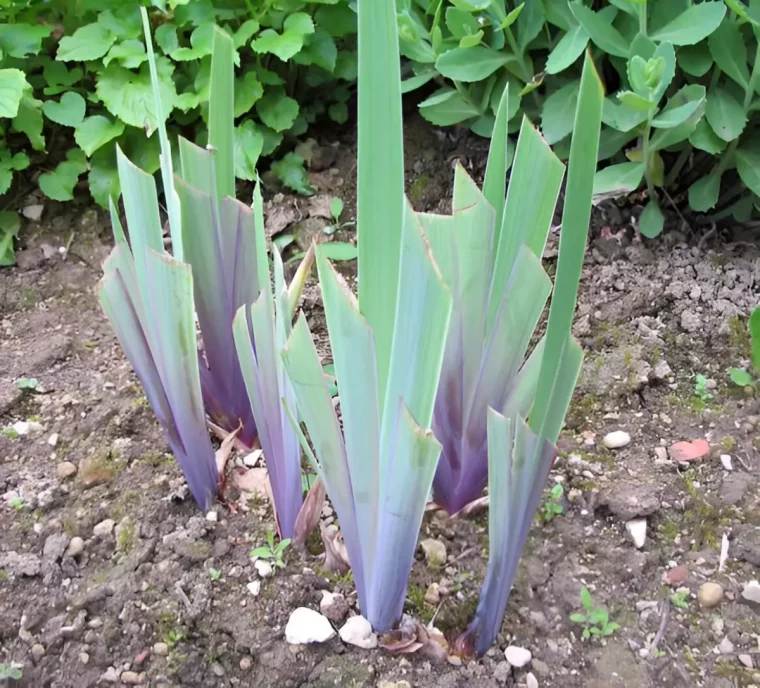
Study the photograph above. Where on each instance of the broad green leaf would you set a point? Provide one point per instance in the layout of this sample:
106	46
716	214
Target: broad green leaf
339	250
651	220
338	20
88	42
695	60
130	54
291	171
338	112
447	106
567	51
248	90
611	141
472	41
69	111
704	138
59	184
10	164
248	144
28	120
618	180
300	23
600	30
750	14
704	193
277	110
692	25
103	179
21	40
320	50
672	117
634	101
730	52
283	46
12	85
166	37
663	138
129	95
58	78
748	167
558	112
642	45
471	64
417	81
461	23
124	22
201	41
725	114
621	117
529	24
245	32
740	377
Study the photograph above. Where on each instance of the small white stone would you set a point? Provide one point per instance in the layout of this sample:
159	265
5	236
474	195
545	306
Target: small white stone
751	592
518	657
726	646
212	516
254	587
531	681
637	529
33	212
263	568
661	453
53	439
252	459
76	547
307	626
358	631
746	660
435	552
616	439
161	649
725	459
104	528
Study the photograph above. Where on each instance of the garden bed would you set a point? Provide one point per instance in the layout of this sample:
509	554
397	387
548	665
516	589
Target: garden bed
160	595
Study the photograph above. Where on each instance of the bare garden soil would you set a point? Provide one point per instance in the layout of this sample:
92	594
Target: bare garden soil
141	603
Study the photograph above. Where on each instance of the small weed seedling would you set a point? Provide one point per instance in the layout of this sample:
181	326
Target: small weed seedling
10	671
741	376
214	574
28	383
680	599
700	388
595	621
553	506
17	503
173	637
271	551
9	432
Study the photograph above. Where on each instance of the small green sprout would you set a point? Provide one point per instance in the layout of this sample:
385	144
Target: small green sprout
553	506
595	620
271	551
30	383
214	574
336	209
173	637
700	388
9	432
680	599
10	671
17	503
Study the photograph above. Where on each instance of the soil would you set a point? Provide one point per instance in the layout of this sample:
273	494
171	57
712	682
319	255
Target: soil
157	595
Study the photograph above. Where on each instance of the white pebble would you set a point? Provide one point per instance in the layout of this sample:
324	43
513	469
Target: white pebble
518	657
254	587
212	516
307	626
358	631
637	529
725	459
531	681
616	439
751	592
104	528
53	439
263	568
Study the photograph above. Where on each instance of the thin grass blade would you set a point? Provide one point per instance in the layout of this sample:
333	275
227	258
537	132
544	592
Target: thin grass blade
495	181
220	115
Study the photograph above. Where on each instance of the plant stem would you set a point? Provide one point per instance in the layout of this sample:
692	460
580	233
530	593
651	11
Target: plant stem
645	155
643	18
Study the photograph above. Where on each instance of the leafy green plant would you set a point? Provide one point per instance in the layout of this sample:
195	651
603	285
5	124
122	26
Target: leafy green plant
680	599
214	574
700	388
682	78
91	90
30	383
272	552
742	376
9	432
595	620
553	506
17	503
12	670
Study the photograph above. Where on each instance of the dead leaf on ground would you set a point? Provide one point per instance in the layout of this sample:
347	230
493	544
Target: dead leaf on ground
308	516
336	556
